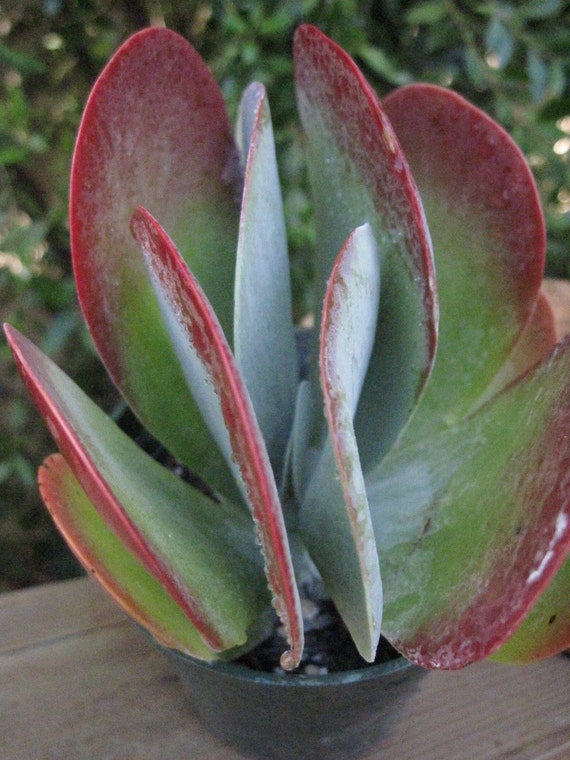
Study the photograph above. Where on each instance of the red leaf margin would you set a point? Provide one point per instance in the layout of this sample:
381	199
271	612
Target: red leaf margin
197	320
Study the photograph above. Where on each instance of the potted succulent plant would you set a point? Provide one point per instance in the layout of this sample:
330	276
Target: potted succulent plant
430	501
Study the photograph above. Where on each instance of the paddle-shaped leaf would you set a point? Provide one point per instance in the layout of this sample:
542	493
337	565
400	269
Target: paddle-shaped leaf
104	556
488	237
346	556
201	551
155	132
359	175
264	338
459	489
473	523
225	404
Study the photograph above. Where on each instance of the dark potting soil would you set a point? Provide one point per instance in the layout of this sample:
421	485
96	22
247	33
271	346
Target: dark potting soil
329	648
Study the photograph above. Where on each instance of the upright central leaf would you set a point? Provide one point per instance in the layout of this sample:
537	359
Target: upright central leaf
264	339
346	555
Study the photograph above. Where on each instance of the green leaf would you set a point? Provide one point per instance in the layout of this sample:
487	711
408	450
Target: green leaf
346	556
301	457
155	132
222	397
535	343
377	60
473	523
203	552
15	59
538	73
427	13
264	338
538	9
499	43
546	629
487	229
103	555
359	175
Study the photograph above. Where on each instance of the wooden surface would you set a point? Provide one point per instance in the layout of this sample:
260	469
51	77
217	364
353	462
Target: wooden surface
78	681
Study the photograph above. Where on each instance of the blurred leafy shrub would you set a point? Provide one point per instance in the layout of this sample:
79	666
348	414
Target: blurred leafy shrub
511	58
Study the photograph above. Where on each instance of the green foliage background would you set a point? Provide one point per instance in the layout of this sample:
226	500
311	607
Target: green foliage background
511	58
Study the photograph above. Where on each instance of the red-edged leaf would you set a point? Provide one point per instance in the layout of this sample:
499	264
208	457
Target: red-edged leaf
103	555
334	515
225	404
359	175
487	229
155	132
473	524
546	629
202	552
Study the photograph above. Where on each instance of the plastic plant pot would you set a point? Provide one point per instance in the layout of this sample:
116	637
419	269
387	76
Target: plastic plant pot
277	716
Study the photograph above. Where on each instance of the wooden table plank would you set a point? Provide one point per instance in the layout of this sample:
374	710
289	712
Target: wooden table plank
78	681
61	609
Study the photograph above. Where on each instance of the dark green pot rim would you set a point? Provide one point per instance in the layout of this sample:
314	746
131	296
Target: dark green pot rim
237	670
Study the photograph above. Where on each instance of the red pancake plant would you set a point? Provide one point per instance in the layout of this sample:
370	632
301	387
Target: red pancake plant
420	473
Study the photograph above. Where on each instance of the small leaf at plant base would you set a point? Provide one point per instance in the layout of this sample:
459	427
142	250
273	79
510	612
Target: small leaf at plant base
359	175
487	230
264	338
220	583
155	131
473	524
224	402
346	557
103	555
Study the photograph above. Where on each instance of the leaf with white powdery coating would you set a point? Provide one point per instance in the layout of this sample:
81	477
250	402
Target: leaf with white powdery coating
346	556
225	404
264	338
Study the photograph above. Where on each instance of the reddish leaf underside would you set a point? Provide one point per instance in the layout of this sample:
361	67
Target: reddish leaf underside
197	334
155	131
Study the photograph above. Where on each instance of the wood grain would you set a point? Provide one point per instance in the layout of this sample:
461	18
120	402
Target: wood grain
79	681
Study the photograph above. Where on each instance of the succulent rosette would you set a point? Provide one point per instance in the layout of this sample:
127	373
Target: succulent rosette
428	490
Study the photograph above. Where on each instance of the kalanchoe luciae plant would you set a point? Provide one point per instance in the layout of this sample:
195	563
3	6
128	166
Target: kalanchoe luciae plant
433	494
